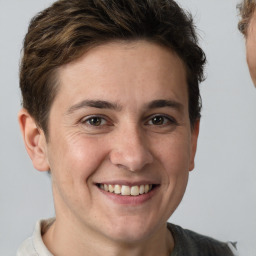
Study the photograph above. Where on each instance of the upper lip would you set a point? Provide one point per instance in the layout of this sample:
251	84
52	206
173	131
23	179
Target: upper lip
128	183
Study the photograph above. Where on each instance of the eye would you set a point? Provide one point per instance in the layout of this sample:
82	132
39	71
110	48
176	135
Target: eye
94	121
158	120
161	120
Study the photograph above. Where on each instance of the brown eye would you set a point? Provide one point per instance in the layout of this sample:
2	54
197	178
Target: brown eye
95	121
158	120
161	120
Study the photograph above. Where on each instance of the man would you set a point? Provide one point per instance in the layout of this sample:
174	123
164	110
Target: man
111	107
247	26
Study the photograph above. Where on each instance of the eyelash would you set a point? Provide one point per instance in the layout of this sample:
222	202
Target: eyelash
90	118
167	120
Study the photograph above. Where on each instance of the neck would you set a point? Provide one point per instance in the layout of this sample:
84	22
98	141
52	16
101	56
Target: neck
67	240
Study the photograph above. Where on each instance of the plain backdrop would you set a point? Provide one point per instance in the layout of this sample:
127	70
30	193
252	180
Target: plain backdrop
220	200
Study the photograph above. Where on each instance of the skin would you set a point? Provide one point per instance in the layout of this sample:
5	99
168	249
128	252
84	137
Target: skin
125	147
251	46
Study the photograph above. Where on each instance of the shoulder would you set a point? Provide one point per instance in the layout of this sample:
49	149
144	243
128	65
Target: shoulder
191	243
26	248
34	246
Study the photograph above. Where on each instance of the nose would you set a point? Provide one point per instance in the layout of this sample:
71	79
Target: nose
130	150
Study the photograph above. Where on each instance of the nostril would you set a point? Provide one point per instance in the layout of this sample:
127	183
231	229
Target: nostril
120	166
131	160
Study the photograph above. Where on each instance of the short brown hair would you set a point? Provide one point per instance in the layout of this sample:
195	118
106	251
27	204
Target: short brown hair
65	30
246	9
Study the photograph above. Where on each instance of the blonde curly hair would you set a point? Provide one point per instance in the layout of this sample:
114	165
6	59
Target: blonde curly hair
246	9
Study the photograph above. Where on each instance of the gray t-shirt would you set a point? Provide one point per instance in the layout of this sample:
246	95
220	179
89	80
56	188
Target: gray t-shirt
187	243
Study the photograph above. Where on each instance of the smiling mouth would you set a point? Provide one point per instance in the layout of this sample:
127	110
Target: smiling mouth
125	190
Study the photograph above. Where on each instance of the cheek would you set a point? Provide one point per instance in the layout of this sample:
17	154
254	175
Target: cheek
251	57
175	159
72	163
76	158
251	53
174	153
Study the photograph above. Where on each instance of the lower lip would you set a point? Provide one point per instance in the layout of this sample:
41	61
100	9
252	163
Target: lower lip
130	200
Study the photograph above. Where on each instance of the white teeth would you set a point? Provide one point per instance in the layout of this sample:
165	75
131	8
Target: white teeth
126	190
135	191
142	189
117	189
111	188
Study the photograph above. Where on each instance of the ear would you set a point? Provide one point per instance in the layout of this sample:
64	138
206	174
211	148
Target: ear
194	138
34	139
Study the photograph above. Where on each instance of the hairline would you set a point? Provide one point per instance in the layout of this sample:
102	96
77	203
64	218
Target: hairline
246	16
54	78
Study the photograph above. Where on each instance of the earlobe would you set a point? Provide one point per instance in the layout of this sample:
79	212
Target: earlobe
34	140
194	139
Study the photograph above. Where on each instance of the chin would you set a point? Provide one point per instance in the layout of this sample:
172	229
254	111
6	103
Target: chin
130	232
129	236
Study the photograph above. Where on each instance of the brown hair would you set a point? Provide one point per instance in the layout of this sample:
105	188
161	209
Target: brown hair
65	30
246	9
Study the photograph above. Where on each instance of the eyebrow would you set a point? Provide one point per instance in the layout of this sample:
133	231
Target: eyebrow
165	103
101	104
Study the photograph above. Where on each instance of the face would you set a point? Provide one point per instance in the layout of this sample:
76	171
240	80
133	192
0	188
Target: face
251	46
120	142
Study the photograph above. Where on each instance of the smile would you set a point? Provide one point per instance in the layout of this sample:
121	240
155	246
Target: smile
125	190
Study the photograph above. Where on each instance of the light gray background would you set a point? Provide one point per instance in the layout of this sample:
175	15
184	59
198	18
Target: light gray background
221	197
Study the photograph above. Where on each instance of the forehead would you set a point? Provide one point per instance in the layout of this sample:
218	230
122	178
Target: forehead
136	68
118	52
